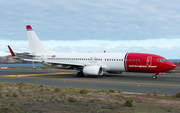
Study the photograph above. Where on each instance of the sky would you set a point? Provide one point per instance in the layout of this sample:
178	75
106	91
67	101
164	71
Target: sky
143	26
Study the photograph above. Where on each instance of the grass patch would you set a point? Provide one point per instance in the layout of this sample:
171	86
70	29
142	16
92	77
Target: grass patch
83	91
178	95
112	91
72	99
23	97
57	90
129	103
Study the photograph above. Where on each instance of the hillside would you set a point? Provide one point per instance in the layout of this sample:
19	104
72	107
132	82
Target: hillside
9	59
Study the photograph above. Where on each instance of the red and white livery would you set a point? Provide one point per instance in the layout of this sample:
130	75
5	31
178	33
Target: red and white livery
96	63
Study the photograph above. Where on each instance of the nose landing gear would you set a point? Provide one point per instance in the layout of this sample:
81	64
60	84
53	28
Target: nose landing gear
154	77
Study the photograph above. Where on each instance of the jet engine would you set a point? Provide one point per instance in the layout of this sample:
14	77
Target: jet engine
93	70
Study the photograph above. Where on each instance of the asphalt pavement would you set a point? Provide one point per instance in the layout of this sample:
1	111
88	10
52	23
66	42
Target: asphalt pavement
166	84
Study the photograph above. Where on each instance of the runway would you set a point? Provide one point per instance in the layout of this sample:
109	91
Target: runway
128	82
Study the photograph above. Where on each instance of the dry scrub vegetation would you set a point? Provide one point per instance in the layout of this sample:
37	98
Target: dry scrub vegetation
30	98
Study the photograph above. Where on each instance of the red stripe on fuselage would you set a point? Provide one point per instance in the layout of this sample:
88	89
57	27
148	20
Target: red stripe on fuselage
142	62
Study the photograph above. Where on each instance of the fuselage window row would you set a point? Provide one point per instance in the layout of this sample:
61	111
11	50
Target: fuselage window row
72	59
113	59
84	59
133	60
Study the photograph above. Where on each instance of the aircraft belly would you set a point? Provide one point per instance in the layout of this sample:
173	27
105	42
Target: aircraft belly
115	67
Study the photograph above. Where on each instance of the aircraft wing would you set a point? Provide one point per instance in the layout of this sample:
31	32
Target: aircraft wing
56	62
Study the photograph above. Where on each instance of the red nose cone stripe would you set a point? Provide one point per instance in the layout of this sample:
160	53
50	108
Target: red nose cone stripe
28	27
173	65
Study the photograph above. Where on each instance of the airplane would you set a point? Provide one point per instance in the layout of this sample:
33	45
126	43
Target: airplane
95	63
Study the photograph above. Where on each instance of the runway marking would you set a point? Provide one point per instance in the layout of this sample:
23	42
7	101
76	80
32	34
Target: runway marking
38	74
94	81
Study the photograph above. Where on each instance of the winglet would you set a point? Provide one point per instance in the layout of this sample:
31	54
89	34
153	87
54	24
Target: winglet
12	53
28	27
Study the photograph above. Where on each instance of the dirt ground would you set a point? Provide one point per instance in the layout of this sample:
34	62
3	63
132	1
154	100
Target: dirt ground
29	98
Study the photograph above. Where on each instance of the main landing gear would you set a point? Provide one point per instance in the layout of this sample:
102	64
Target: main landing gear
80	74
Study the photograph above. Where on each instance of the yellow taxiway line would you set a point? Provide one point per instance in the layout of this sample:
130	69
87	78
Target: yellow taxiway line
38	74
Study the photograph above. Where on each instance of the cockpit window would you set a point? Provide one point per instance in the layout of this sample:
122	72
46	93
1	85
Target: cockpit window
161	60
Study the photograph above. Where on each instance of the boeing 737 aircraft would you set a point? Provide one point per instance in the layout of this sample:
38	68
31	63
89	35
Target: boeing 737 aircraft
96	63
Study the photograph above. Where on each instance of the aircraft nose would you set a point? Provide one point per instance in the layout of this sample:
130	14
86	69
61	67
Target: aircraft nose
170	65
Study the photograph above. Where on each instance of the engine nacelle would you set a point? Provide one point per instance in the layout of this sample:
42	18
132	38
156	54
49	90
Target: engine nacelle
93	70
60	66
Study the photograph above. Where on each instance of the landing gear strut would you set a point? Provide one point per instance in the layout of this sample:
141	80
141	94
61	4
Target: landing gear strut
158	73
154	77
80	74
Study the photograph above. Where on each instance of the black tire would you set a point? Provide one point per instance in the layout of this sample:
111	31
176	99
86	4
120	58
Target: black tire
80	74
154	77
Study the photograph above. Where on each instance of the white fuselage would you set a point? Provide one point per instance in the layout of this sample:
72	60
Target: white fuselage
109	61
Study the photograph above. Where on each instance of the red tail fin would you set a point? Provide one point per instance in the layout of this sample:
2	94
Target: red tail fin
28	27
12	53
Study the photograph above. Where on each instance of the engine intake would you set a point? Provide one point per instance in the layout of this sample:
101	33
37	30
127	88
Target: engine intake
93	70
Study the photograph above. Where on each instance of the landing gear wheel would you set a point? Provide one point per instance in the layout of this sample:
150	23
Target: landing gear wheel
154	77
80	74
